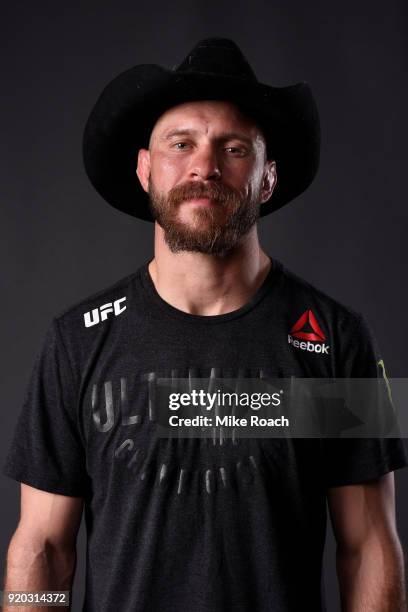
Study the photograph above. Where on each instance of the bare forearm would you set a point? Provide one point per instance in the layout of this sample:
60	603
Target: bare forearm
372	579
43	568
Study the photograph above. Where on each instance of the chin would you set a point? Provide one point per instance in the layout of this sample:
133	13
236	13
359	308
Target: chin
197	217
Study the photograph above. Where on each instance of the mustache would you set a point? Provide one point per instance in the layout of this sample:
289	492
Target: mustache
215	191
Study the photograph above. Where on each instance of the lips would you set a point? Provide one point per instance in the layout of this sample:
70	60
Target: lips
203	201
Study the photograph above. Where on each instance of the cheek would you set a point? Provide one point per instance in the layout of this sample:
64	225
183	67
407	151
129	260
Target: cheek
241	176
255	179
166	171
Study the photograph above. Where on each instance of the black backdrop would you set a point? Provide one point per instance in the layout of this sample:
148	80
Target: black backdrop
61	242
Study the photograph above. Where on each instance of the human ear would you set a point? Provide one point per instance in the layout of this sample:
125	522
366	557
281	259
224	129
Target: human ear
269	180
143	168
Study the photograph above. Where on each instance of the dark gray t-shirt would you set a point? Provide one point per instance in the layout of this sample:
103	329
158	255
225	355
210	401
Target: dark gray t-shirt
186	524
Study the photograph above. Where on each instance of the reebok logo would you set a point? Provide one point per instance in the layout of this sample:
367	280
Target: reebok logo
101	313
307	328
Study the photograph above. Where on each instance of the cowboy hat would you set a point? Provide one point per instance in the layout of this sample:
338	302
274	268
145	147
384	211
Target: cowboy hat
123	117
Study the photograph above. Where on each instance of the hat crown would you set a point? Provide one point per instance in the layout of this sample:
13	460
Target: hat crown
217	56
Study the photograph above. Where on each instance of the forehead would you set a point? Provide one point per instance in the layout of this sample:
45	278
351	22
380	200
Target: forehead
206	116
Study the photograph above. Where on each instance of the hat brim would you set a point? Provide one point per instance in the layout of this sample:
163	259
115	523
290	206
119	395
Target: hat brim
123	117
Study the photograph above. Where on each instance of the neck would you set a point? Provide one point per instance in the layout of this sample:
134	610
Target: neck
203	284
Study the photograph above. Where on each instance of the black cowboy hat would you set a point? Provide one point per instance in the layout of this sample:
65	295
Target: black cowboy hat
122	119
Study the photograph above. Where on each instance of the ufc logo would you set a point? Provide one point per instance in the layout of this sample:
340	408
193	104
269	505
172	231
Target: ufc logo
102	313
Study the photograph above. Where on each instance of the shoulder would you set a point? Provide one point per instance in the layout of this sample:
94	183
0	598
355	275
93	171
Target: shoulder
309	309
97	307
302	287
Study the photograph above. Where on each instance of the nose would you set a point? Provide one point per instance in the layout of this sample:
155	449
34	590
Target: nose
205	164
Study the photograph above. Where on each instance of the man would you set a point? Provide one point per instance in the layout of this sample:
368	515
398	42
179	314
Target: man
183	523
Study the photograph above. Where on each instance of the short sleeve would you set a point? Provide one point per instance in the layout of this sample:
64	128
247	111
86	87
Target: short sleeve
354	460
47	450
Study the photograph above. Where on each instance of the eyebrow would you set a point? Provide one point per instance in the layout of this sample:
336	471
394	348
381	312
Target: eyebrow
222	137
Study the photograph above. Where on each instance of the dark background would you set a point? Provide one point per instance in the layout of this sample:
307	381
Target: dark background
347	234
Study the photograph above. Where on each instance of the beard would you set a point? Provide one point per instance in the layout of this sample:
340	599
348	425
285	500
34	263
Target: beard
214	229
